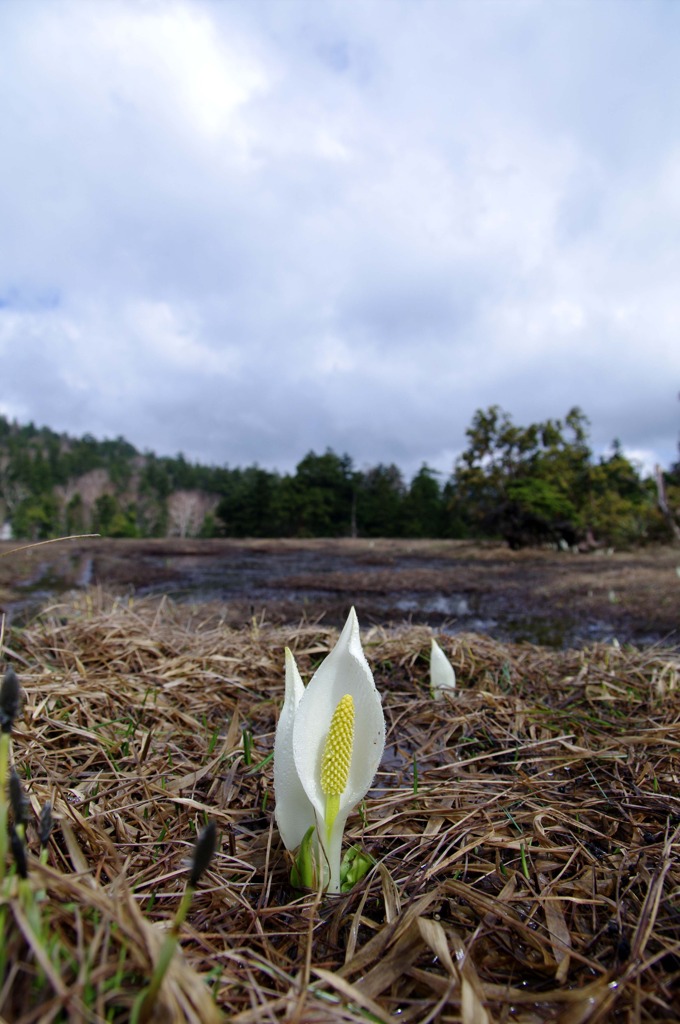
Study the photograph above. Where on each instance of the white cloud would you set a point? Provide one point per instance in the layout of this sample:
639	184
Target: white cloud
174	345
248	229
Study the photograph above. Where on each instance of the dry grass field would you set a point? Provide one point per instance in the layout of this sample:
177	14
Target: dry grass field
525	831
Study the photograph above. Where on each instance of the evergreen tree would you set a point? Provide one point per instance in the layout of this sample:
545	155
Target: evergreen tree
249	507
380	494
423	511
324	487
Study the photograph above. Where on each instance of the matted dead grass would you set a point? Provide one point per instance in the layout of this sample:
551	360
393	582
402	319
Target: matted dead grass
526	831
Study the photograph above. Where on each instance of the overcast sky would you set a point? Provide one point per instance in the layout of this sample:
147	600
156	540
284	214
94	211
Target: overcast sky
243	229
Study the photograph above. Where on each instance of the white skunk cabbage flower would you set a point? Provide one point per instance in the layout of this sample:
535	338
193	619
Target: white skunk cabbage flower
442	675
336	732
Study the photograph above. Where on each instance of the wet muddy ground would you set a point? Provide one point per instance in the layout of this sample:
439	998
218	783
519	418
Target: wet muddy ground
559	599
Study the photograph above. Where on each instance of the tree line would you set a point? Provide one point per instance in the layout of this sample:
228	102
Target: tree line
526	485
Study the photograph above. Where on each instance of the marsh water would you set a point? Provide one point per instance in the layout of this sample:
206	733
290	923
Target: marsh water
293	585
543	597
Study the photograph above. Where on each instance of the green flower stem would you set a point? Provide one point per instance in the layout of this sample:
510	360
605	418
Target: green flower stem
4	909
44	956
31	907
143	1008
4	805
203	851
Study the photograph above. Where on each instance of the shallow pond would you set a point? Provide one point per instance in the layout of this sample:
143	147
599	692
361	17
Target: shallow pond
556	601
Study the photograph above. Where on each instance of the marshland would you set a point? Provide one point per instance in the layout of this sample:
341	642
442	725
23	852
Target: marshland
524	831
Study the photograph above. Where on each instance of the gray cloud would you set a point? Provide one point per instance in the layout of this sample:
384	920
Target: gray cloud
250	229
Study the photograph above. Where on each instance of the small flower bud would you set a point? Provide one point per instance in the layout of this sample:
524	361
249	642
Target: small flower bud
46	824
9	700
18	799
19	853
203	852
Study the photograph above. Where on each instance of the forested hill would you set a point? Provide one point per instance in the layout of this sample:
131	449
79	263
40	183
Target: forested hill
525	484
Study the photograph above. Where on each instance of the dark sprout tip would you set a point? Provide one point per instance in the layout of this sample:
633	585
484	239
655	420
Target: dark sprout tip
46	824
19	853
9	700
18	799
203	851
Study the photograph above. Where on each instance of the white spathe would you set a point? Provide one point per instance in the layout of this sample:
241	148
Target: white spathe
344	671
442	674
294	813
